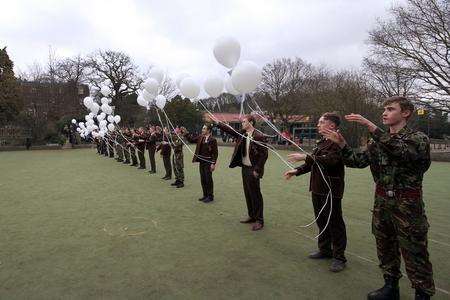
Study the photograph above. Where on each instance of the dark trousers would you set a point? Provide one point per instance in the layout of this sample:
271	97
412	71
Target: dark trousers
167	165
141	155
253	196
126	154
333	240
110	150
151	155
133	156
206	179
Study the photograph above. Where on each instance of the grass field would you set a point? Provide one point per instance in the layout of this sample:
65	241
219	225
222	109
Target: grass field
74	225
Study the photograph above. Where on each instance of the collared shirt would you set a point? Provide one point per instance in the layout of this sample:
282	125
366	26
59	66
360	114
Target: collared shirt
246	158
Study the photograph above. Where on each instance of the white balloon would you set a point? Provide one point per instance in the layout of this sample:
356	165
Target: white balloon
246	77
87	101
157	73
103	123
147	96
111	127
160	101
189	88
81	124
141	101
117	119
110	119
227	51
104	100
94	108
78	129
213	85
102	133
91	115
151	85
229	86
180	78
74	121
87	117
105	91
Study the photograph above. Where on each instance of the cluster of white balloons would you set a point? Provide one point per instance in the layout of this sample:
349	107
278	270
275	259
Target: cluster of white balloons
150	94
245	76
106	121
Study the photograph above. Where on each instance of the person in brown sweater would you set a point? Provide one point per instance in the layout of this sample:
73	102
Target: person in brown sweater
249	154
206	153
165	148
326	155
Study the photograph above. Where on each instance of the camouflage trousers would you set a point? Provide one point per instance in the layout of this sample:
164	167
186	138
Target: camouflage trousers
134	159
400	225
119	152
178	165
141	155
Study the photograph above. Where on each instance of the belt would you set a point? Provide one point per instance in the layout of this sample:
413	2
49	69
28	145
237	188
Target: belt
405	192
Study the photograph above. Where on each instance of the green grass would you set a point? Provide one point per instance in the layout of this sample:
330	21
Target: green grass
74	225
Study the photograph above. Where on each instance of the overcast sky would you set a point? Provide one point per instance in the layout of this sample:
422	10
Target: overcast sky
179	35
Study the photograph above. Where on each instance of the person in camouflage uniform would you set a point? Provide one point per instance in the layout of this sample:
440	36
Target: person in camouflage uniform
177	158
110	143
131	147
118	145
398	160
140	141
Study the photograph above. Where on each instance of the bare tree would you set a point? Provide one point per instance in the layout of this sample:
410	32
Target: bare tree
389	78
71	70
283	81
418	38
115	69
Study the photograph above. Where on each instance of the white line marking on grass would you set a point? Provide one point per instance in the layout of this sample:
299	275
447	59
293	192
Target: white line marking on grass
366	259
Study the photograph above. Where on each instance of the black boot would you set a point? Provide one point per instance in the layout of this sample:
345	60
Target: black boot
389	291
175	183
421	295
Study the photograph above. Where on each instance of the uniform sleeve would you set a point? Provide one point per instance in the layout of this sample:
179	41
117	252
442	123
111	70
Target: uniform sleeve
263	156
215	152
331	158
406	148
226	128
303	169
354	158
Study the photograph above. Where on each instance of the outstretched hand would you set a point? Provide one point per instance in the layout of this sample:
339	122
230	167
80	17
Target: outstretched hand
334	136
361	120
289	174
296	157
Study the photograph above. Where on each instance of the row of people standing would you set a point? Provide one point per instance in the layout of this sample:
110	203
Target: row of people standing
128	145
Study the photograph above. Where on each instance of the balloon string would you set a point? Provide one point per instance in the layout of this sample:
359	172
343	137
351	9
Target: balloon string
189	149
238	133
330	194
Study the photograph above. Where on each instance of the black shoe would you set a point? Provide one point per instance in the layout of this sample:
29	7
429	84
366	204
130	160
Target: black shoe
421	295
126	162
175	183
141	168
319	255
337	265
119	160
180	185
389	291
202	198
208	199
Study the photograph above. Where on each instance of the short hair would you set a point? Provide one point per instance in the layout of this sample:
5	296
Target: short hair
403	102
208	126
332	117
251	119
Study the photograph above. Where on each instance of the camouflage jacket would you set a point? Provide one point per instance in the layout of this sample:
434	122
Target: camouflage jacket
396	160
176	143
